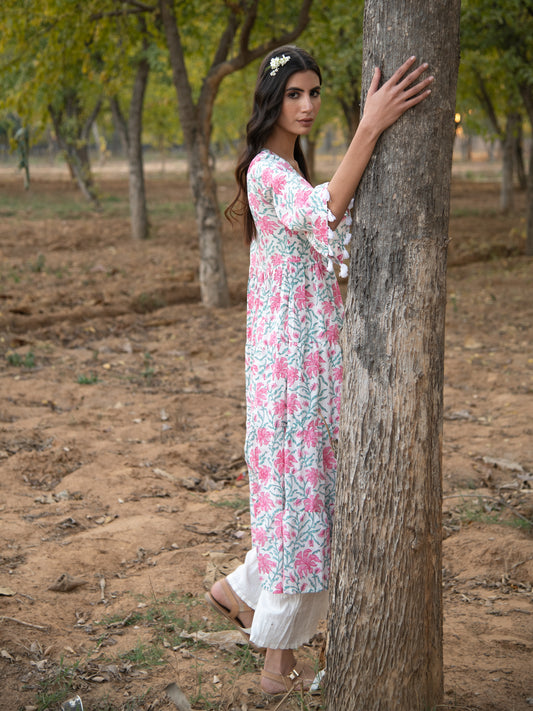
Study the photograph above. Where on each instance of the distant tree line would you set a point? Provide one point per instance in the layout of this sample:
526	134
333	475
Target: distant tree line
173	73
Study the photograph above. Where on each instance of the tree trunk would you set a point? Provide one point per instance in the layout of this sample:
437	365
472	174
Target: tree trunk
520	168
137	191
509	153
213	282
385	623
73	140
526	91
130	133
529	207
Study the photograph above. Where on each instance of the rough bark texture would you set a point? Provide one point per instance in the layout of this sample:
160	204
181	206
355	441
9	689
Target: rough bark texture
385	625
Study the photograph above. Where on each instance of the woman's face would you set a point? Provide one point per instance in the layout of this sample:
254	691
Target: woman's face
301	102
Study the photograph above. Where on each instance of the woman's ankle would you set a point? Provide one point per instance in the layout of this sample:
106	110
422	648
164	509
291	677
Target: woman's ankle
279	661
246	615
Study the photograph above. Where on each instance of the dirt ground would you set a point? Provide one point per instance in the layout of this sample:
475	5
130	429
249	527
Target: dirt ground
123	488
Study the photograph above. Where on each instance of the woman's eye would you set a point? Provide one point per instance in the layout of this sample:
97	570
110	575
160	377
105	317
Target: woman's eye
315	92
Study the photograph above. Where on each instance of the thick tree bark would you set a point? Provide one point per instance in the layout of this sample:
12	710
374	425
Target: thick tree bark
385	623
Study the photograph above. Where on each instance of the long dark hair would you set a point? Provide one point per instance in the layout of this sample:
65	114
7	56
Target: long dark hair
268	100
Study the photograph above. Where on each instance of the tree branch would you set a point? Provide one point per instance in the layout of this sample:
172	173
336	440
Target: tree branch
486	101
136	8
120	122
86	128
247	55
180	77
247	27
227	38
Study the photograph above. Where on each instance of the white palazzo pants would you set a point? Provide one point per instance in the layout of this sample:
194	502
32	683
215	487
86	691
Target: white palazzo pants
281	621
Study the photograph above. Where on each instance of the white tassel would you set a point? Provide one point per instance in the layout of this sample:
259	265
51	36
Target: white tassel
330	265
344	271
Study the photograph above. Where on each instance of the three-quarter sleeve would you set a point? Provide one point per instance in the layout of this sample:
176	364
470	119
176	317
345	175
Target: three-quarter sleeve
302	208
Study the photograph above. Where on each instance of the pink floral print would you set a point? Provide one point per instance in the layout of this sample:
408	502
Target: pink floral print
293	374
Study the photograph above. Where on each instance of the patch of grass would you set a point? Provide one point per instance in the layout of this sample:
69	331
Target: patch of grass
57	687
202	698
90	379
148	372
247	660
145	655
146	303
126	620
173	209
231	504
38	265
473	212
15	359
488	511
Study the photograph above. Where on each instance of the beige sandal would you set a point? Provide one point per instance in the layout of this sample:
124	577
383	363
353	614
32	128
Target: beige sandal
296	680
232	613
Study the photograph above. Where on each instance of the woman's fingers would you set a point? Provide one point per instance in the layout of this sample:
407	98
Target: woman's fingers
416	88
374	84
401	71
402	80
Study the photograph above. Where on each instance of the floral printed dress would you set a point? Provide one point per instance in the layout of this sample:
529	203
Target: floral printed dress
293	374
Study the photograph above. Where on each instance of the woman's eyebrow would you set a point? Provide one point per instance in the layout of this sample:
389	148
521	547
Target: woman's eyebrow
297	88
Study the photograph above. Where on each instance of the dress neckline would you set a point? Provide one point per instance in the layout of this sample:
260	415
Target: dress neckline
276	155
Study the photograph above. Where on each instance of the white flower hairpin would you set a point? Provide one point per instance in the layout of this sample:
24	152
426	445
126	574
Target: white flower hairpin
277	62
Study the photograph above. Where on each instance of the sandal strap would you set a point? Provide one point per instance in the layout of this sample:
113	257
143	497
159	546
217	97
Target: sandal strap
288	680
236	604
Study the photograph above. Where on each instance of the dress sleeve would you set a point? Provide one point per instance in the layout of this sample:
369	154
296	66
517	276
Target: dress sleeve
304	209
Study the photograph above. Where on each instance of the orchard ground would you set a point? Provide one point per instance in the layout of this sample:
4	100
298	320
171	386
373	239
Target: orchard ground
123	489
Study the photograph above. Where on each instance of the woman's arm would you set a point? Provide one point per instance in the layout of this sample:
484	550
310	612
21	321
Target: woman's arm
383	107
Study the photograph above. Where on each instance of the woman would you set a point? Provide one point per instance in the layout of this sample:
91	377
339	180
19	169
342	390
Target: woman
293	359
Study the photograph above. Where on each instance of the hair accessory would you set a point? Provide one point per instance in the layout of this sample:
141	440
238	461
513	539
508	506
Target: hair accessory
277	62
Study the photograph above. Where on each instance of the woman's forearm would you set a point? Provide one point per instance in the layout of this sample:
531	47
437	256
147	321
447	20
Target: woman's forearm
347	177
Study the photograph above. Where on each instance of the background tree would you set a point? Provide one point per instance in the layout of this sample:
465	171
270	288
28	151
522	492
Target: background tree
385	623
504	31
135	56
231	50
47	70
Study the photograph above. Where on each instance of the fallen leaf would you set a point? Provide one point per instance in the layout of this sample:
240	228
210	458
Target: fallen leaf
7	592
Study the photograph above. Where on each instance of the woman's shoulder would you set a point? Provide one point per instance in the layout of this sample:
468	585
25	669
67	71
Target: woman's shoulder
268	171
266	160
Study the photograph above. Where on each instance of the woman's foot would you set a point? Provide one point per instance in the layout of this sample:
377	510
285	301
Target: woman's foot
224	600
282	674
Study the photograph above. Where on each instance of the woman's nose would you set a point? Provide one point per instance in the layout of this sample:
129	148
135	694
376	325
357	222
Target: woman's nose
307	103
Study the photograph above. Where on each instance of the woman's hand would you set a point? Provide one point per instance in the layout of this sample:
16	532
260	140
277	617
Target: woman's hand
385	105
